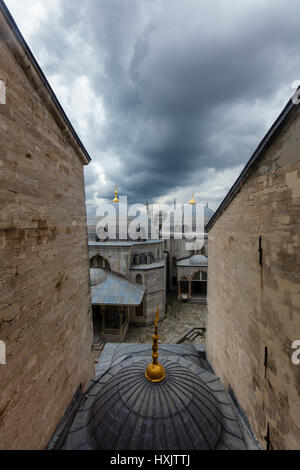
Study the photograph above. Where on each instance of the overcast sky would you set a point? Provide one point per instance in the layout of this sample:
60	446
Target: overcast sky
168	96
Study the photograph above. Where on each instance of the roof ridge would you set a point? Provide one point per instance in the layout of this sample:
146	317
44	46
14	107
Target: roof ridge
256	156
35	74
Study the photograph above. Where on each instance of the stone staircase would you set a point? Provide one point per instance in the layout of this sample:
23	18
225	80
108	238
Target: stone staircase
192	335
198	300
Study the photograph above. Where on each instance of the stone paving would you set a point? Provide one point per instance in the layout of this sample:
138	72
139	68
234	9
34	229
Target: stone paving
180	319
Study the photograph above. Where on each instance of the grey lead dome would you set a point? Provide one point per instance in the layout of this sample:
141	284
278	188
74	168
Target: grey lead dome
181	412
188	410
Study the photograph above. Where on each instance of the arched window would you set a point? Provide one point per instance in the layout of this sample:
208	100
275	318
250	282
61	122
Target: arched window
150	258
99	262
199	284
139	279
143	258
197	276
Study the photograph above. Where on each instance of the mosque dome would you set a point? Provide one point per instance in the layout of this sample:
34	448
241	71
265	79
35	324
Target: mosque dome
97	275
179	407
131	412
197	260
194	260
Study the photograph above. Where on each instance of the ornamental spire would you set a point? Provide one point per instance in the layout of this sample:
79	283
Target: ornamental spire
192	201
116	195
155	371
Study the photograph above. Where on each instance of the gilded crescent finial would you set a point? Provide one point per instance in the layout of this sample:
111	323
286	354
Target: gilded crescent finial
116	195
155	371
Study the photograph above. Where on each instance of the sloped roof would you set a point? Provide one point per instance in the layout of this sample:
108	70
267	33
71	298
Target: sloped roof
256	157
194	260
23	55
114	290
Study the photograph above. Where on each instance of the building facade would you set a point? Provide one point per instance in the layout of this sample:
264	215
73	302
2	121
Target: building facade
254	286
192	278
45	309
137	267
180	251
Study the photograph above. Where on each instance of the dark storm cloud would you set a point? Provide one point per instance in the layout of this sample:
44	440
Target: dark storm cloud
187	87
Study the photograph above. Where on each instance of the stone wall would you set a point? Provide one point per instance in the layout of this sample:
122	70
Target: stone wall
177	249
254	309
154	280
120	256
45	312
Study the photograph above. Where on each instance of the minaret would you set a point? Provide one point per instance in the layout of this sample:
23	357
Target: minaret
116	195
155	371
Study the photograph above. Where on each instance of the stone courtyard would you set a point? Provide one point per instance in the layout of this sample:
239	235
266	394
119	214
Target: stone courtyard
180	319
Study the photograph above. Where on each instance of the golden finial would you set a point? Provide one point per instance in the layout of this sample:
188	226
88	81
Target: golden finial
155	371
192	201
116	195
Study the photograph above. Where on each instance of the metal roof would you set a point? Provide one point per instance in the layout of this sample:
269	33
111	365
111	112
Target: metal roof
194	260
114	290
188	410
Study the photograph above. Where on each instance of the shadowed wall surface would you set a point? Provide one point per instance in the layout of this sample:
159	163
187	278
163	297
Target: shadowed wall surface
253	292
45	312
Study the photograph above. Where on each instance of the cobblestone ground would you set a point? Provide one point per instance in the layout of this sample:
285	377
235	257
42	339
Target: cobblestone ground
180	319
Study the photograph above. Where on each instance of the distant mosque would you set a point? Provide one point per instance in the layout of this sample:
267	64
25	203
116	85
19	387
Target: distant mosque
129	277
187	256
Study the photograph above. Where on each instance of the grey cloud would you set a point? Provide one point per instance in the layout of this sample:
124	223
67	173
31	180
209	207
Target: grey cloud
170	75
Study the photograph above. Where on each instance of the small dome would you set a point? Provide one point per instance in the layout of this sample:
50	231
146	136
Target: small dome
194	260
198	260
97	275
180	412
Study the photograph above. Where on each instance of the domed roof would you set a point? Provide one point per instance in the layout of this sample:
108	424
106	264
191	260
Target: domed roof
187	410
197	260
180	412
97	275
194	260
